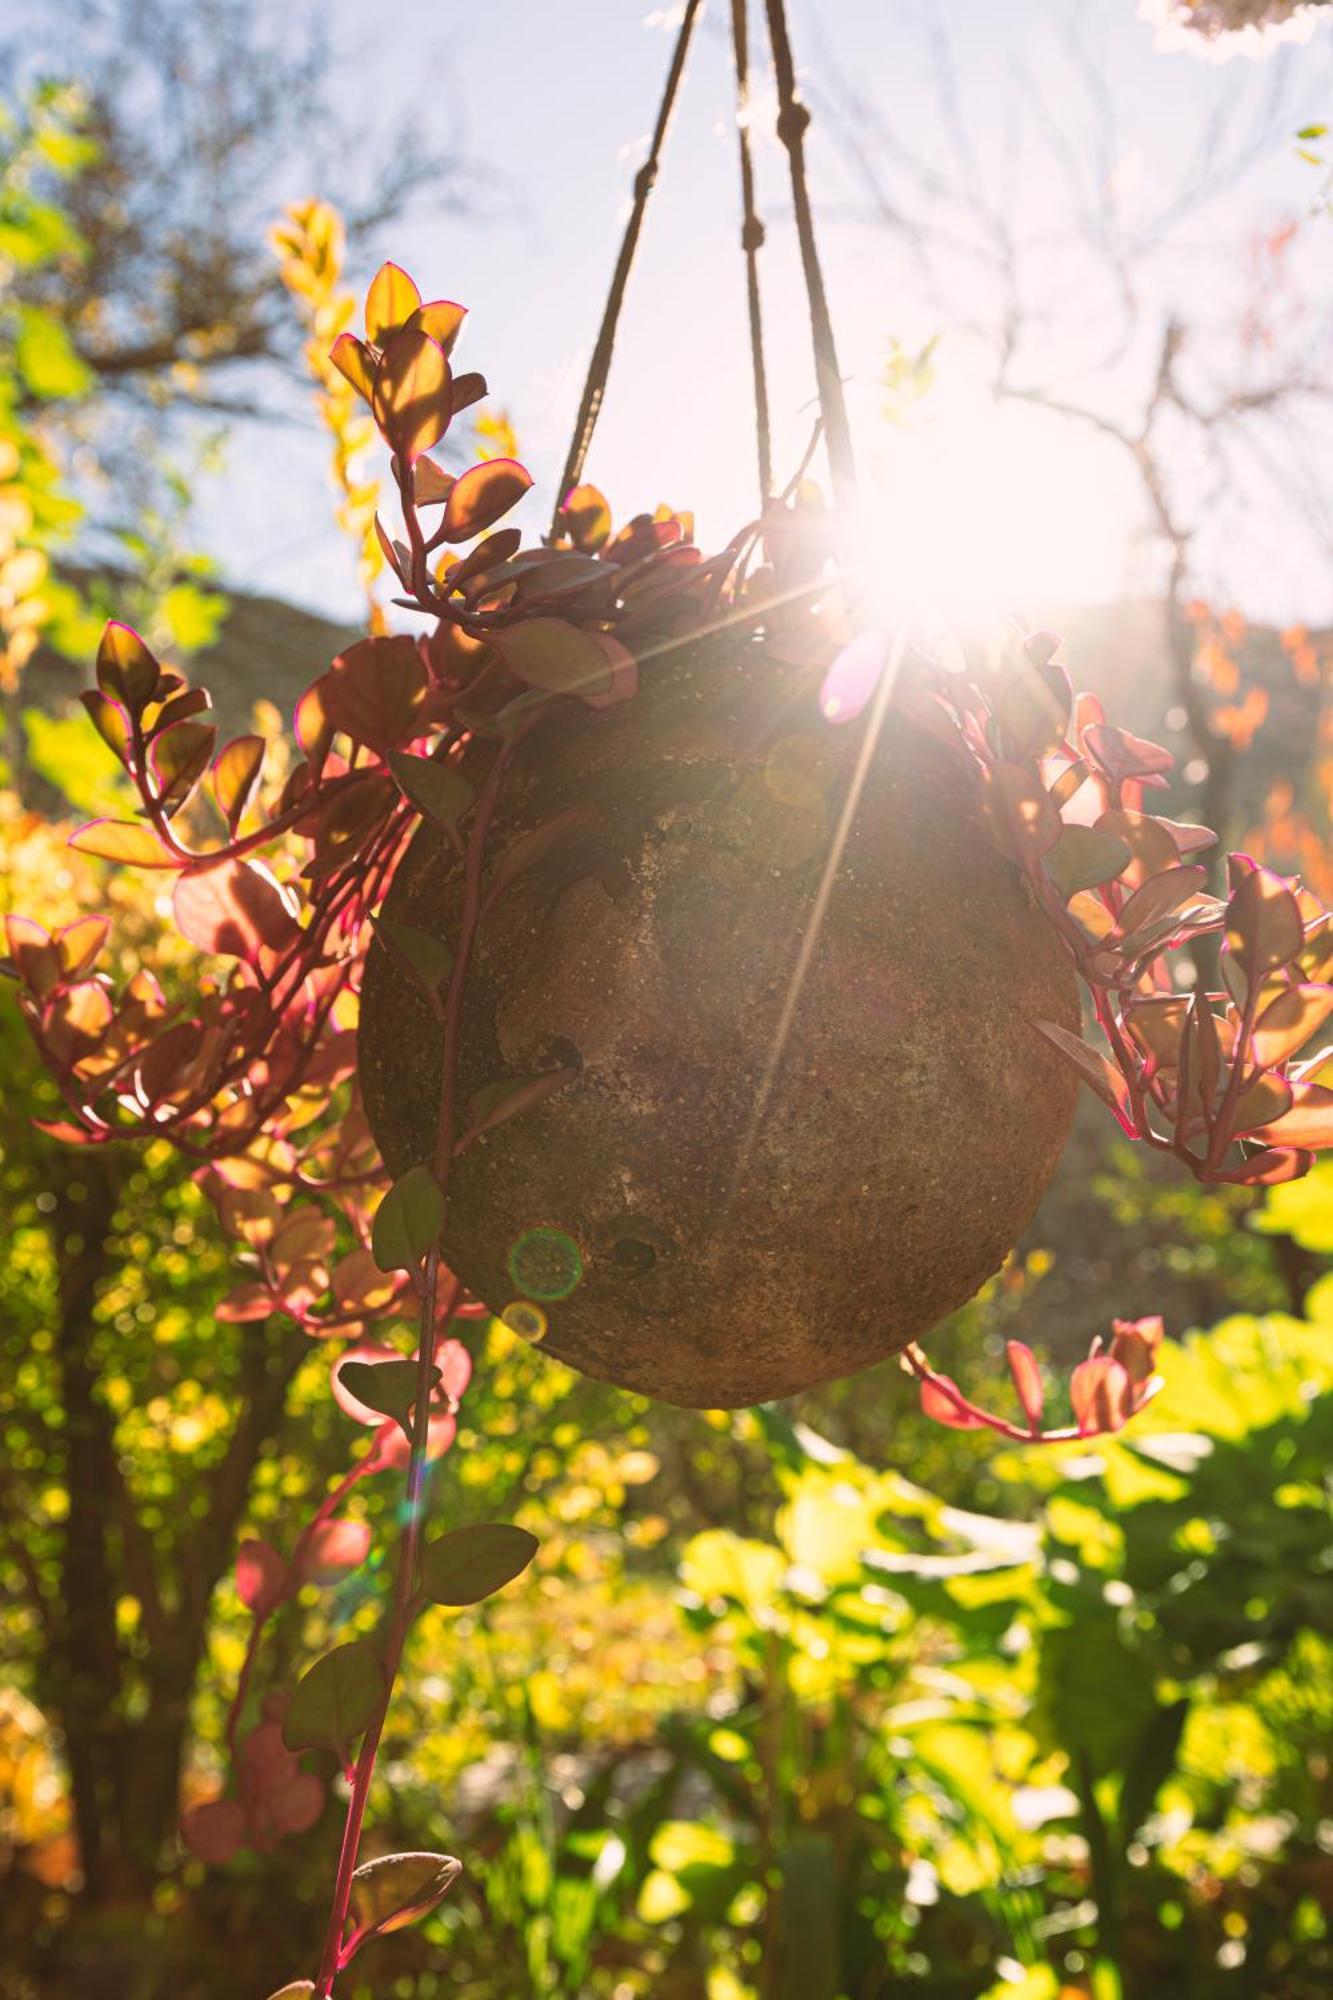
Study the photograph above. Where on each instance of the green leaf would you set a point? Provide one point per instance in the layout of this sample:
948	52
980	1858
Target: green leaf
473	1563
552	654
1084	857
495	1102
335	1699
408	1221
387	1386
399	1889
440	791
430	958
46	359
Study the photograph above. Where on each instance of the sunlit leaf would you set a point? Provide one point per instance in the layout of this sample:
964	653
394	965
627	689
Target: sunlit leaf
79	944
1124	756
408	1221
178	759
390	302
396	1890
236	774
35	953
1035	700
482	495
587	518
1084	857
1307	1125
938	1395
1264	928
1092	1066
470	1564
1099	1390
126	670
335	1699
441	319
110	721
1027	1380
1160	896
1027	818
430	486
355	363
412	399
126	841
236	909
374	691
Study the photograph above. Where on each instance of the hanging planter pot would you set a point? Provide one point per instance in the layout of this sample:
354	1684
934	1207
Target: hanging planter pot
805	1112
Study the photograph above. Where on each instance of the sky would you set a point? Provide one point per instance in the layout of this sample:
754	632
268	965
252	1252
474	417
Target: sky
1035	137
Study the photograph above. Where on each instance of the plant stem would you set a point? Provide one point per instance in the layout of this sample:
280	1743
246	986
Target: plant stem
409	1546
400	1619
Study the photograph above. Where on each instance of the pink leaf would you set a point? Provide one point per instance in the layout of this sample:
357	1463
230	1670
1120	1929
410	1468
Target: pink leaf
374	691
295	1806
1135	1344
455	1365
1264	928
1309	1123
938	1403
1027	1381
350	1405
1288	1022
1099	1390
332	1549
235	909
261	1574
391	1453
214	1832
1092	1066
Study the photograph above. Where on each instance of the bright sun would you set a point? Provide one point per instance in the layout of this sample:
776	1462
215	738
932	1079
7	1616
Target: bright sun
983	508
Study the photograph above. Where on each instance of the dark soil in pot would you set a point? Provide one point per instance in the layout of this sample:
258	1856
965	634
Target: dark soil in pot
697	1219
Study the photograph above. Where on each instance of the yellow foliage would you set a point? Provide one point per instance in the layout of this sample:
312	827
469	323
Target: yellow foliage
309	243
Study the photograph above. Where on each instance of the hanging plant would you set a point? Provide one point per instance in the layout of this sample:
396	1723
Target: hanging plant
655	953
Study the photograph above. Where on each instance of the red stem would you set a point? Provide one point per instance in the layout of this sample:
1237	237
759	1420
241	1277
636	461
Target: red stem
404	1588
400	1618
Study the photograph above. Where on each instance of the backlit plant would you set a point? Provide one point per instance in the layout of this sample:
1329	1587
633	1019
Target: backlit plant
252	1072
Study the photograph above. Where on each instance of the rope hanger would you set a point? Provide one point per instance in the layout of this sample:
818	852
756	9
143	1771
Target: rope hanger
792	123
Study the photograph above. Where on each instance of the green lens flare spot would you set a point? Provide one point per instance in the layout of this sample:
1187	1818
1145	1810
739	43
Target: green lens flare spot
525	1319
545	1264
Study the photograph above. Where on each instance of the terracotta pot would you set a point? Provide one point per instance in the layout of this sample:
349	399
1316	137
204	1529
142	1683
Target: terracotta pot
715	1211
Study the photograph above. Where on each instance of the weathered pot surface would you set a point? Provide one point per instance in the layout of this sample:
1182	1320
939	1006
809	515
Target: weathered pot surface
745	1190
